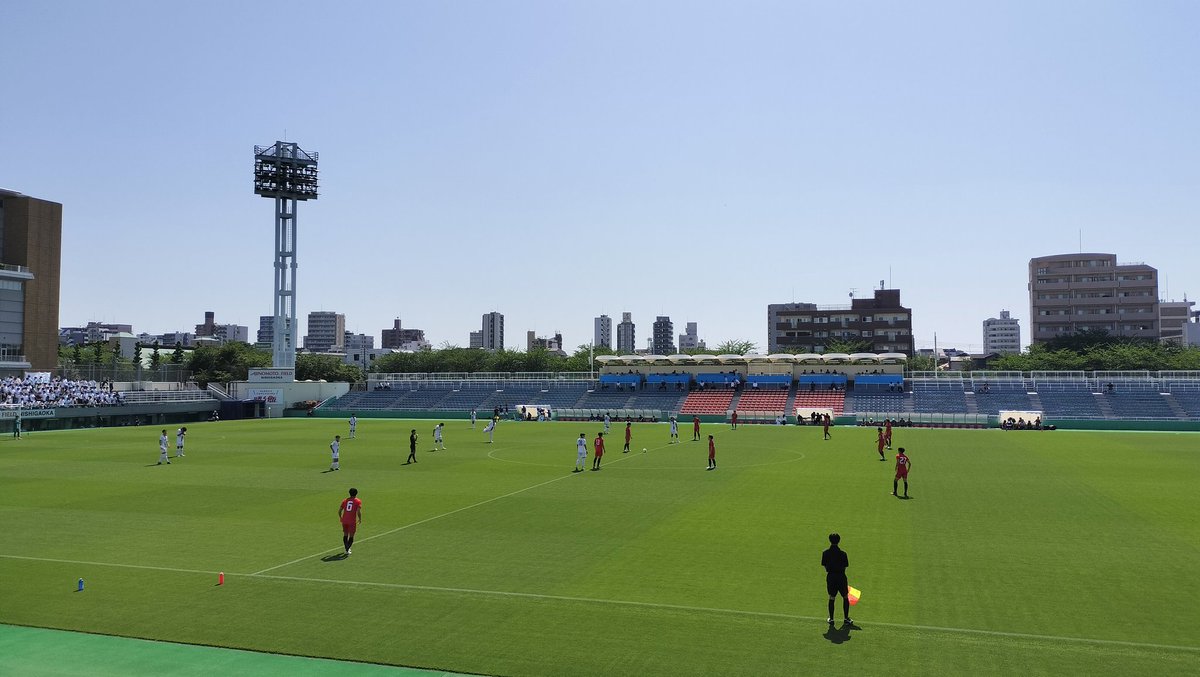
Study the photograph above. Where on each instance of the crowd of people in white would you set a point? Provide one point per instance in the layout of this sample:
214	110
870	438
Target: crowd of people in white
16	392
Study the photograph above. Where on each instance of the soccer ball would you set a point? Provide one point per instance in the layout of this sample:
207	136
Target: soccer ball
643	450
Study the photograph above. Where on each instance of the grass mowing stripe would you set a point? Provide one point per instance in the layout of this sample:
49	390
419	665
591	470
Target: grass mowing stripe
430	519
620	602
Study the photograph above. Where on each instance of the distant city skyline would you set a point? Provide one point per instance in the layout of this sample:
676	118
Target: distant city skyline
558	161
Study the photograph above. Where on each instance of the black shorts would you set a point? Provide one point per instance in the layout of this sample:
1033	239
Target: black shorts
837	585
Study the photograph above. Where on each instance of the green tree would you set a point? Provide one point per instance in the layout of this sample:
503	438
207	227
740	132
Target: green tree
137	354
736	347
227	362
921	363
583	357
77	354
311	367
177	354
155	358
98	352
848	346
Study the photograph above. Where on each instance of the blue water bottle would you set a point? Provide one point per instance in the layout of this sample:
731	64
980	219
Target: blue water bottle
80	585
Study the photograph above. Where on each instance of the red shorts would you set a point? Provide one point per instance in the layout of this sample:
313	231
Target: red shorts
349	529
901	474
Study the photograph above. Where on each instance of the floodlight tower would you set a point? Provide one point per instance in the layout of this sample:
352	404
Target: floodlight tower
289	174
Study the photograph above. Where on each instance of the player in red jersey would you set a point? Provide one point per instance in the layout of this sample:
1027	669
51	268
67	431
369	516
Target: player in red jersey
350	513
712	454
887	433
881	443
628	435
733	421
695	428
598	445
825	421
902	467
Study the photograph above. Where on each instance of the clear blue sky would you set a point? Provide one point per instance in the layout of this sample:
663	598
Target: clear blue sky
559	160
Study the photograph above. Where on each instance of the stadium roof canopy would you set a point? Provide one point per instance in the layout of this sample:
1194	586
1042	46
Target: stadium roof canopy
736	360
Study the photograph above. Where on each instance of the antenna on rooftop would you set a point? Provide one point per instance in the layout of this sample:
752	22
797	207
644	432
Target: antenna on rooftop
852	290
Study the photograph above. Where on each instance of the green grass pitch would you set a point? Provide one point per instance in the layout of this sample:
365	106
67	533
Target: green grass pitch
1020	552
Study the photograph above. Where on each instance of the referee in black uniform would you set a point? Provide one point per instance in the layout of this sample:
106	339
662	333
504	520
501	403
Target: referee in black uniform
835	562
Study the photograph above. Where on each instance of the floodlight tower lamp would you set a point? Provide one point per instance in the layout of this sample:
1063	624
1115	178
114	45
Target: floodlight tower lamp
287	173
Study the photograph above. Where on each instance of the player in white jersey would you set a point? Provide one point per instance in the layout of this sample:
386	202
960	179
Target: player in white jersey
674	431
334	447
437	437
473	419
179	441
581	458
491	427
607	421
353	425
162	449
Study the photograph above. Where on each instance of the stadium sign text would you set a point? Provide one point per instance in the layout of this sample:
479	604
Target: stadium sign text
26	413
271	376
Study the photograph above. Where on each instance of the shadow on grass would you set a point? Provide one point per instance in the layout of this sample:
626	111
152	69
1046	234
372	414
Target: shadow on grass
328	471
838	634
336	557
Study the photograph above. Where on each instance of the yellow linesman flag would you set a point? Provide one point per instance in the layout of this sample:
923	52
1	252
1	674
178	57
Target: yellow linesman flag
855	593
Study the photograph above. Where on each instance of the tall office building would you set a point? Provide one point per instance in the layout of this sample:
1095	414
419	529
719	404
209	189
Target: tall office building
1172	315
352	342
476	340
664	336
30	260
553	344
493	331
626	334
880	322
603	334
266	330
1091	292
399	338
1002	334
689	339
326	332
222	332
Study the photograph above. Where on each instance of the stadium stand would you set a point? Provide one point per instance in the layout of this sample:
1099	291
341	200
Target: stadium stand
1068	399
605	400
769	381
1002	396
1187	397
762	401
663	400
18	393
939	396
710	402
878	402
1139	400
811	401
878	383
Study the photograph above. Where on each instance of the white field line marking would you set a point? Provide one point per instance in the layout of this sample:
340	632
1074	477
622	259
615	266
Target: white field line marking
107	564
739	612
428	519
649	605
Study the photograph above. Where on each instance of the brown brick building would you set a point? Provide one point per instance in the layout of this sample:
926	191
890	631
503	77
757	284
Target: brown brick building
30	260
807	327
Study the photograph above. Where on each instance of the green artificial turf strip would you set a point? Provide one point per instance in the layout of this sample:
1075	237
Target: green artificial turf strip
1041	552
33	652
